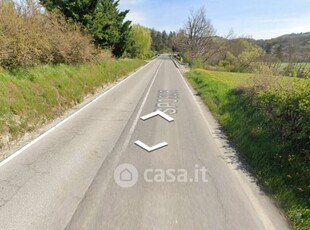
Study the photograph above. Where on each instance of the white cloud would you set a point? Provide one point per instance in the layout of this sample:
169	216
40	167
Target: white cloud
272	33
131	2
137	17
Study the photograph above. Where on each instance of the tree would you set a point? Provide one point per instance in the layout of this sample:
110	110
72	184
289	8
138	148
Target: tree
180	42
242	54
153	36
161	41
279	52
102	18
164	39
197	38
74	11
171	39
199	32
140	44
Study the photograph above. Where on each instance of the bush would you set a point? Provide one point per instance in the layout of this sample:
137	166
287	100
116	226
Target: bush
285	107
140	44
268	119
30	36
31	96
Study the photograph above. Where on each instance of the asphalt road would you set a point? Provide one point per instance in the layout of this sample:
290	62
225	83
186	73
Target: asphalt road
66	179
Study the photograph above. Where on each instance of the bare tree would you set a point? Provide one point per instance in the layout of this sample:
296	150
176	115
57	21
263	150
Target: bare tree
199	33
180	41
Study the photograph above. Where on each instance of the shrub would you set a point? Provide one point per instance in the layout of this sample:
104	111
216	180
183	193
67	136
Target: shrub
31	96
285	107
30	36
268	119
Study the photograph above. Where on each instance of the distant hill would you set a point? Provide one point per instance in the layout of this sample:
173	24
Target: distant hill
292	36
289	47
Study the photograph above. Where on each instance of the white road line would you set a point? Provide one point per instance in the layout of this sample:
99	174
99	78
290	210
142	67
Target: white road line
153	148
248	191
133	127
11	157
118	154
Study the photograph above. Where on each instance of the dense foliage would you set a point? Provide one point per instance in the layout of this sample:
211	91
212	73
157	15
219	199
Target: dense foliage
241	56
162	41
287	48
267	118
199	45
32	96
140	42
102	18
286	110
29	36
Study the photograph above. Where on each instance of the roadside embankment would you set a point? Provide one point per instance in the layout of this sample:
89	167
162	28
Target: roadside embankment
268	120
31	97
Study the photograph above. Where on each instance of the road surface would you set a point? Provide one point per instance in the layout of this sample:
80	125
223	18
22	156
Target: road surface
67	179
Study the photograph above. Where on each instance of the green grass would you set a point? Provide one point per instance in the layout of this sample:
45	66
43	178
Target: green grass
306	64
276	164
229	78
29	97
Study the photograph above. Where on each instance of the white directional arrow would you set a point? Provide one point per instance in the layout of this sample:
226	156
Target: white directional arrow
150	149
157	113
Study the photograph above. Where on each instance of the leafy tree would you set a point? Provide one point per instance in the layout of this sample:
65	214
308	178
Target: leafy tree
242	54
153	36
140	45
171	39
75	11
161	41
102	18
164	38
279	52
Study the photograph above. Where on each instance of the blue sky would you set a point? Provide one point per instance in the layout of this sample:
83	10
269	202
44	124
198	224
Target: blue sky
256	18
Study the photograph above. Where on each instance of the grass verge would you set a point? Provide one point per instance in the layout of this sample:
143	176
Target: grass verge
282	167
29	97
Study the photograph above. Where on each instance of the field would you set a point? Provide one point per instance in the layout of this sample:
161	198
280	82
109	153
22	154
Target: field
270	126
29	97
306	65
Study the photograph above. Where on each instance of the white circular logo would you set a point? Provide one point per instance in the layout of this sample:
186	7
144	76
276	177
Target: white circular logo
126	175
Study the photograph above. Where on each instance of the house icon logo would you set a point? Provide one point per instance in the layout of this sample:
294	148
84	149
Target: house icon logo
126	175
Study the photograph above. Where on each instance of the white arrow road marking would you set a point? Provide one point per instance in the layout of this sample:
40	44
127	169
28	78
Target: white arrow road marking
150	149
159	113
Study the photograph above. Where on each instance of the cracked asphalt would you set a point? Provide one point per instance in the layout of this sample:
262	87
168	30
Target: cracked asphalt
65	180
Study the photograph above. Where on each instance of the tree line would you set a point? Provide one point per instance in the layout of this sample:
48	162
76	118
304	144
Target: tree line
101	18
199	45
56	31
107	24
97	25
31	36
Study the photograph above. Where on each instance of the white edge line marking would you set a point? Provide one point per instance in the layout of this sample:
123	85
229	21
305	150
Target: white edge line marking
150	149
159	113
133	127
255	202
18	152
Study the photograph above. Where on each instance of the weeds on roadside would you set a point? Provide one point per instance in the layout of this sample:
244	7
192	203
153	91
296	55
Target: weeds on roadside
268	119
31	36
32	96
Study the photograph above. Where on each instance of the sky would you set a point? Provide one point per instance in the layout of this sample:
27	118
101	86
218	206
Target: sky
260	19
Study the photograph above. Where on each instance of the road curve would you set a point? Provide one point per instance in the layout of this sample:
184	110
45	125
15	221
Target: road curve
68	179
